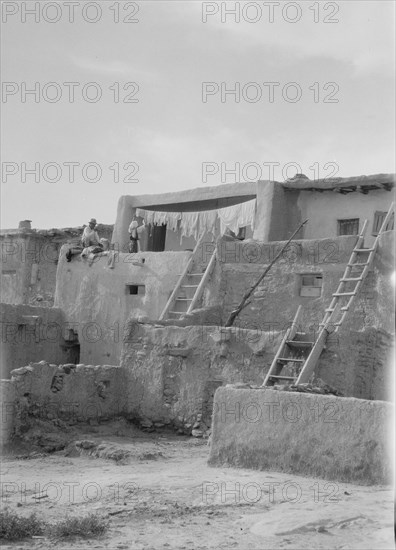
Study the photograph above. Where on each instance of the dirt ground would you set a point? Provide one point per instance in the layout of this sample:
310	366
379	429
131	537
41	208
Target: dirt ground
158	492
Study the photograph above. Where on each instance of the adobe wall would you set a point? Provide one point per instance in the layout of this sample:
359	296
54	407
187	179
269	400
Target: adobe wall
280	211
277	298
68	392
278	214
31	334
315	435
7	410
358	360
191	200
96	300
29	262
172	372
324	209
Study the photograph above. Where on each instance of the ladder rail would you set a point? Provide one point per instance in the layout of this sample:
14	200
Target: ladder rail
289	335
386	220
201	286
347	271
352	261
312	359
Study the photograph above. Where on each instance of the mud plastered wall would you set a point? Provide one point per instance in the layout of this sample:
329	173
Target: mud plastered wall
70	393
316	435
358	359
173	371
29	262
275	301
96	298
32	334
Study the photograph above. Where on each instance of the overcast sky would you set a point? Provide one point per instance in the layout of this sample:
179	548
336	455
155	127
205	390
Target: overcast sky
342	125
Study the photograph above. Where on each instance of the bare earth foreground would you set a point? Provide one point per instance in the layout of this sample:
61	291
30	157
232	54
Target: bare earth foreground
157	491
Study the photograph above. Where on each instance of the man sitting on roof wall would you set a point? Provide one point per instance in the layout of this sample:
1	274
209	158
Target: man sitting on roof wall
89	238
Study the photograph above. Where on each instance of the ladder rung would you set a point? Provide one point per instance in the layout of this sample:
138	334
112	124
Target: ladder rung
177	312
347	279
283	377
189	286
344	294
358	265
183	299
331	309
290	359
364	250
299	344
332	324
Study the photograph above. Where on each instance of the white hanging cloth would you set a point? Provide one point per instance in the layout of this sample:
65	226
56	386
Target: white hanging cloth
196	223
237	216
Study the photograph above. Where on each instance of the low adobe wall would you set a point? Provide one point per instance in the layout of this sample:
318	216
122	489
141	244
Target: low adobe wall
173	372
335	438
71	393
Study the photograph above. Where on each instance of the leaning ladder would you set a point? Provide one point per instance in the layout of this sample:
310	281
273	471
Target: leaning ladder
189	282
295	349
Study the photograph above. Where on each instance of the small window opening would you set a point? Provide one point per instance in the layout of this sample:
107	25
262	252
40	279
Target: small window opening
311	285
136	290
379	218
348	227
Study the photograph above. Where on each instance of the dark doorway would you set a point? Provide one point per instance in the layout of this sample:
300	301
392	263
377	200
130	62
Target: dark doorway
156	238
71	348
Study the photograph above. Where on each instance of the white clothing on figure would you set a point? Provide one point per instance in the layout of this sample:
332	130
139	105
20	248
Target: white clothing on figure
89	237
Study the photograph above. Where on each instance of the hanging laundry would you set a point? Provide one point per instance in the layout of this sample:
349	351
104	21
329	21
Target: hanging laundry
189	224
196	223
207	222
237	216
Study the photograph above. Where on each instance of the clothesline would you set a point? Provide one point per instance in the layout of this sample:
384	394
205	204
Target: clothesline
196	223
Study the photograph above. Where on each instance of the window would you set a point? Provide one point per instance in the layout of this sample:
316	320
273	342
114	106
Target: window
311	284
137	290
348	227
378	221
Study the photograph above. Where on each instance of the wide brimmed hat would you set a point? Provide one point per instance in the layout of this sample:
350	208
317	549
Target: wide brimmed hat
92	220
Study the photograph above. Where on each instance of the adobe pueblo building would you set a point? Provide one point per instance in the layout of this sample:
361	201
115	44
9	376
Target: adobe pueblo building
151	335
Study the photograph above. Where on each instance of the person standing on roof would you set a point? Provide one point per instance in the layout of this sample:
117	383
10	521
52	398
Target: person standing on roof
134	245
90	236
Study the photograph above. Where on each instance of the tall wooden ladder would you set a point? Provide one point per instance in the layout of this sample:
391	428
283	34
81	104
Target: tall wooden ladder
190	286
298	353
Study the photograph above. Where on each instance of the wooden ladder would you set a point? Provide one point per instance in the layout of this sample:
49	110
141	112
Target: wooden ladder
298	354
190	286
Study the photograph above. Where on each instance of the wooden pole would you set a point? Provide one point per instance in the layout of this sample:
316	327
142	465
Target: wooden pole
234	314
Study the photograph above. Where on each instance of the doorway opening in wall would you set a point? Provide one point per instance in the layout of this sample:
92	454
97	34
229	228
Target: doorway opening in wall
156	238
136	290
311	284
348	226
71	347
